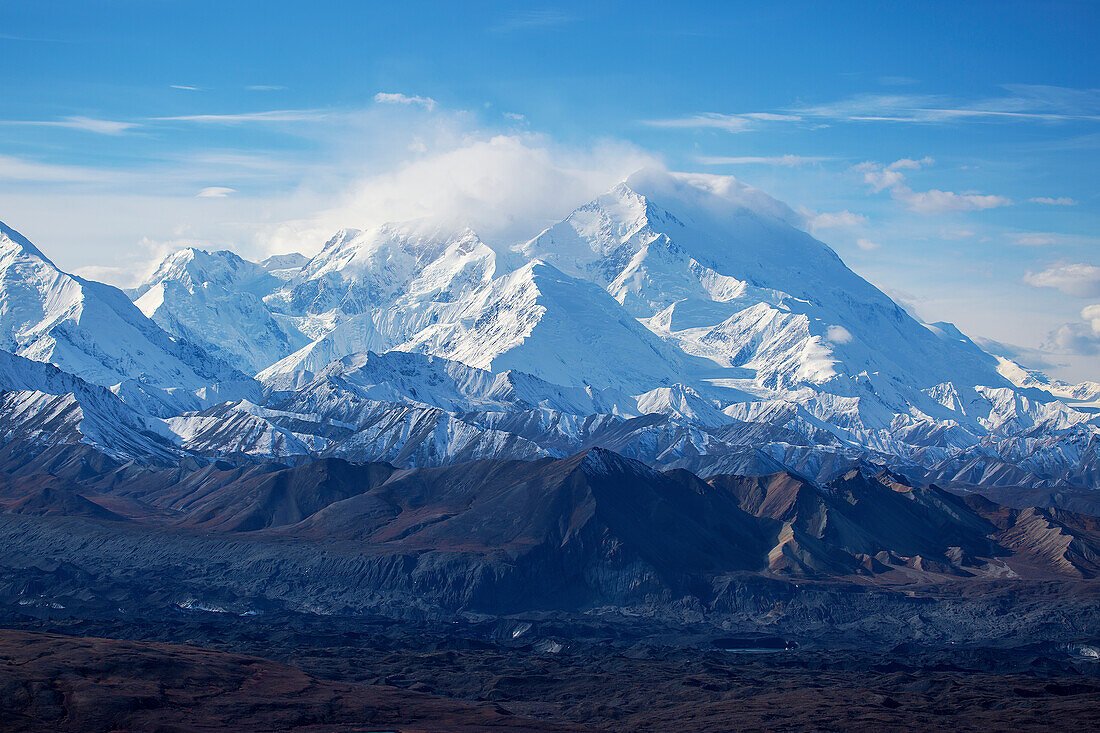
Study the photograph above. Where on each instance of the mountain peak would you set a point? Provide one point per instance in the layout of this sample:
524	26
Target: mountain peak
602	462
87	328
285	266
718	196
14	243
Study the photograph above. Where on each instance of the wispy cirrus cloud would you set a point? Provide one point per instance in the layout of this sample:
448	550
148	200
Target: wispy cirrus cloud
718	121
21	170
31	39
280	115
171	175
1052	239
265	87
1049	201
408	100
86	124
1035	239
783	161
532	19
930	109
1020	103
897	81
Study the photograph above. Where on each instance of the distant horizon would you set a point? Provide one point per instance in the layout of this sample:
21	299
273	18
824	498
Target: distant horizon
948	156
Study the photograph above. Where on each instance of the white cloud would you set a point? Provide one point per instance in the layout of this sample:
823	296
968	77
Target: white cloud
360	170
1091	313
834	220
1074	338
1073	278
1034	358
505	187
910	164
867	245
397	98
785	161
1051	239
889	177
265	87
1061	201
938	202
103	127
215	192
772	117
1079	338
515	117
838	335
186	87
879	178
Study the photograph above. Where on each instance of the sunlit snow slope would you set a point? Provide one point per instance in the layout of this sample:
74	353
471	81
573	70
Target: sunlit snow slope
685	320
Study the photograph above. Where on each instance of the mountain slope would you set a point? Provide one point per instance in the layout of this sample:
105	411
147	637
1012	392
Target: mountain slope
684	320
700	250
540	321
90	329
215	299
41	404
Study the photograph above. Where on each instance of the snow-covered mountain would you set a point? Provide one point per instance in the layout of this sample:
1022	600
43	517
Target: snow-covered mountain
42	405
215	299
90	329
729	278
683	320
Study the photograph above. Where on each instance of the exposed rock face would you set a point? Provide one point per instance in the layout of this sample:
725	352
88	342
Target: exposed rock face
861	522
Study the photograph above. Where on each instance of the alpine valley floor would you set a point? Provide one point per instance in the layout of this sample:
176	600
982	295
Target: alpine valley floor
195	670
586	593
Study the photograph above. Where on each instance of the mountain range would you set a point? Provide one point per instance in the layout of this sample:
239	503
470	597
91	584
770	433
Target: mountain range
667	461
684	321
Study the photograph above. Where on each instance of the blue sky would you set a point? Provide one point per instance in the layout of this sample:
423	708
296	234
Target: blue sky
947	151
